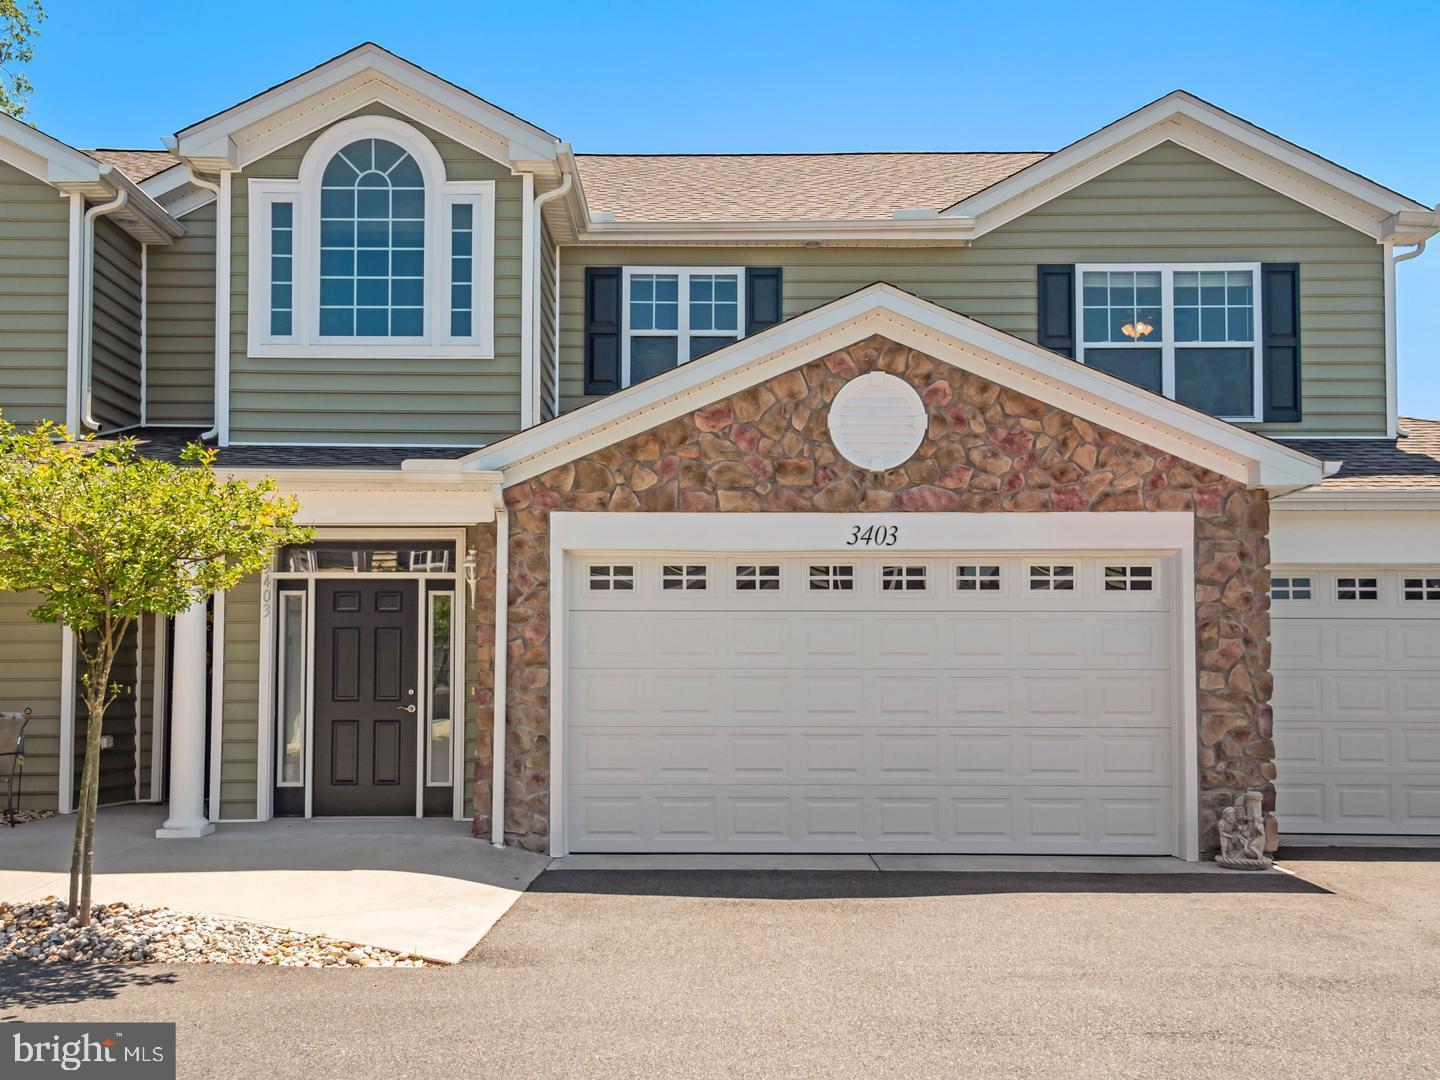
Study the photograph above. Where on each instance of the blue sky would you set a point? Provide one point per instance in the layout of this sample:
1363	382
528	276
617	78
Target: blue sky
1336	78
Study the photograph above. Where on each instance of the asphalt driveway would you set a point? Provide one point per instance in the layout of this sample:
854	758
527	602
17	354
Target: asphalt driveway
1332	973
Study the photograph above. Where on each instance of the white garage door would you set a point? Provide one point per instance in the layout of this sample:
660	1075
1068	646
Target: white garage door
1357	700
870	704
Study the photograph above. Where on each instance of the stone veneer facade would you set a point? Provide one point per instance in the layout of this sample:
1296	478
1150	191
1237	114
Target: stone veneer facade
767	450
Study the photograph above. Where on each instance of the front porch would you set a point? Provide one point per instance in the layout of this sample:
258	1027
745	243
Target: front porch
410	885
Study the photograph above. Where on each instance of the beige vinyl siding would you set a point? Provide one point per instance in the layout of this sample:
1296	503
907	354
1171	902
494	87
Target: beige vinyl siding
180	331
115	333
240	701
34	295
548	271
421	400
1165	205
30	679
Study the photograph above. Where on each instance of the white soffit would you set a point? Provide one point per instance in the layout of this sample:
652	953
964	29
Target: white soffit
905	318
1211	132
339	87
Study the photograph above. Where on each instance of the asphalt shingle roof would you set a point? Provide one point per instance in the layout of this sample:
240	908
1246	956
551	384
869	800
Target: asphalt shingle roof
167	443
137	165
1411	462
786	187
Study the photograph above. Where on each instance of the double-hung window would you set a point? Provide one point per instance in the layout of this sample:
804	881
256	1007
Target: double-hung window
671	315
1189	332
371	251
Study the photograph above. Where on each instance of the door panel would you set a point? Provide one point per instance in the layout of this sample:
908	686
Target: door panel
367	637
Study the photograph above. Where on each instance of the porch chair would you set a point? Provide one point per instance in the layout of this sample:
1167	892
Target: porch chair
12	746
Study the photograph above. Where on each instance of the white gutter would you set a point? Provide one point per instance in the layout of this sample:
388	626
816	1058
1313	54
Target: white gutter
502	648
537	231
1392	338
75	315
87	344
222	310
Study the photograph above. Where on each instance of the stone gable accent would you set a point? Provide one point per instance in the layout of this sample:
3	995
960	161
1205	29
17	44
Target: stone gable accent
987	448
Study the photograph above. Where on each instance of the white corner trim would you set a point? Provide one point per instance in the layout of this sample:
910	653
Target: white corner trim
1168	533
528	305
903	317
224	302
217	701
1392	360
74	310
159	709
66	769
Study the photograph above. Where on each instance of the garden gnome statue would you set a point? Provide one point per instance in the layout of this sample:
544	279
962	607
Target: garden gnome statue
1242	834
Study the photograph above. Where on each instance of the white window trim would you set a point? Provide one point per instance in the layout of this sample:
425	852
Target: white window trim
1422	601
1357	576
1166	342
304	193
682	333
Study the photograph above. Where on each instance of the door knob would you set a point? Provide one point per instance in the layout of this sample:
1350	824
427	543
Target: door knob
406	708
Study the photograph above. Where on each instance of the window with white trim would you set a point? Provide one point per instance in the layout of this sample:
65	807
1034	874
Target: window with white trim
371	251
1421	588
1357	588
832	578
291	664
1187	331
612	578
1290	588
902	579
1052	578
1129	578
674	314
757	578
441	698
687	577
977	578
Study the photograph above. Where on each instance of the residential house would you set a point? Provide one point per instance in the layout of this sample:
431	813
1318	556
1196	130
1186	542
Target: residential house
951	502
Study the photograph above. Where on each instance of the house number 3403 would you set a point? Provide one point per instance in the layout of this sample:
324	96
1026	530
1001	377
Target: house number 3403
873	536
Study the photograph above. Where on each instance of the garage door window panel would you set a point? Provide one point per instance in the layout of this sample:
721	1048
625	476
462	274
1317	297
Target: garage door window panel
832	577
1291	588
1052	577
1424	589
1349	589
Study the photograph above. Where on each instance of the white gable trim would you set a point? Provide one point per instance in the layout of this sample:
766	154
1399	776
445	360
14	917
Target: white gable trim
1225	139
339	87
905	318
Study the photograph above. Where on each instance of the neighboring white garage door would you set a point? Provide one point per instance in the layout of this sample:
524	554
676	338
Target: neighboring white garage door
870	704
1357	700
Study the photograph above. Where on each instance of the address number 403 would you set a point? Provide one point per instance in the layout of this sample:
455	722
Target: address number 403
878	536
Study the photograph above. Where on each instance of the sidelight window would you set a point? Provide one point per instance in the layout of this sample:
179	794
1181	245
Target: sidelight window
292	664
441	673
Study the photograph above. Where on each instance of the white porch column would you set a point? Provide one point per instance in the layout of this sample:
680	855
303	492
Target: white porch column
187	730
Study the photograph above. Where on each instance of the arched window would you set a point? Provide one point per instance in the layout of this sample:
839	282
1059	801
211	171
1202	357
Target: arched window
372	243
371	250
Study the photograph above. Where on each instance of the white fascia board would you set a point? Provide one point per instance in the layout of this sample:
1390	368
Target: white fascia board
957	231
381	496
1200	126
43	156
903	317
295	103
1359	500
1410	227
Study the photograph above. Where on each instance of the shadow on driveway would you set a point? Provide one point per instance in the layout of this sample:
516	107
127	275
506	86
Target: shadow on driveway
32	986
1357	854
864	885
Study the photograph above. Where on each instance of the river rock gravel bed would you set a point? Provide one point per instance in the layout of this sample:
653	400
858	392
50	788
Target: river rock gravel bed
41	932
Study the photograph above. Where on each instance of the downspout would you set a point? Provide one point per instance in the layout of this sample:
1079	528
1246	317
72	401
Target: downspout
537	231
1392	337
87	340
502	649
206	436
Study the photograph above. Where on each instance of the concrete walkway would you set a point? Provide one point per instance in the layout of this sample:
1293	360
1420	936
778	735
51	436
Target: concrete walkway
422	887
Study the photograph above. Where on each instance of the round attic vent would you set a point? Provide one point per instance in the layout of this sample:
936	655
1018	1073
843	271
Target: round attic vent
877	421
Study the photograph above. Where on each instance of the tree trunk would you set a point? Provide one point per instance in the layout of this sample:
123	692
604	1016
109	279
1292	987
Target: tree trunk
92	775
97	695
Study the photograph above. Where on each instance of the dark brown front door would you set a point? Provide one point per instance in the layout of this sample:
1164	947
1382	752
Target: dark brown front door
366	637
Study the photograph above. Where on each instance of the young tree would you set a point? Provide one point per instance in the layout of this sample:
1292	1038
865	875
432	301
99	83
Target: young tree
19	27
103	536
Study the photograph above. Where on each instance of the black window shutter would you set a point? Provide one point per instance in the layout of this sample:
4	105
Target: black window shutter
602	329
1055	311
1280	298
762	298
